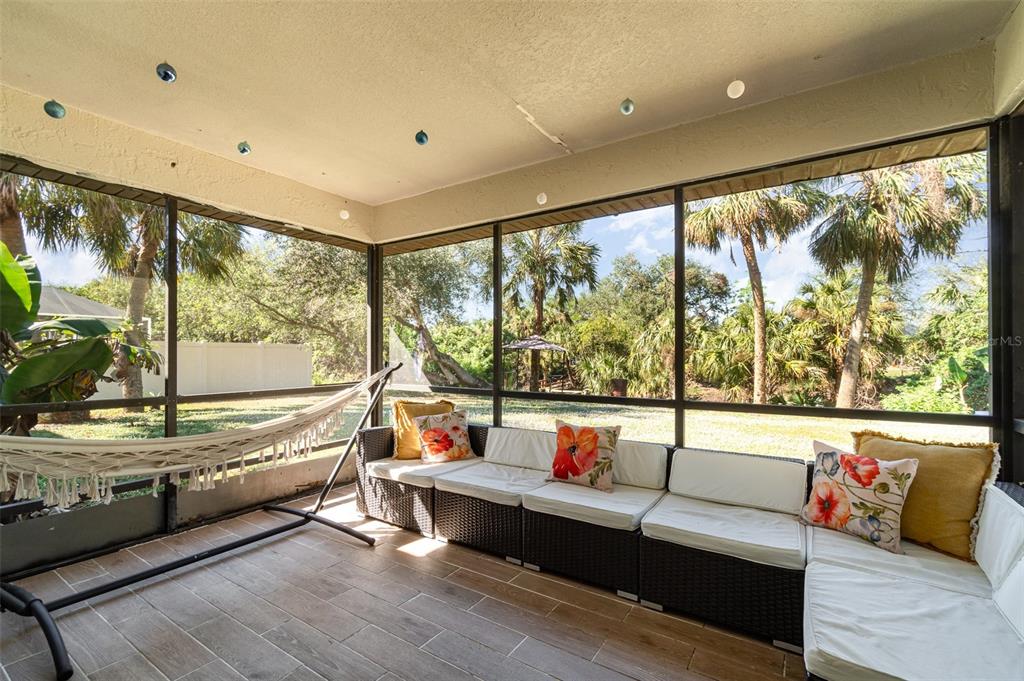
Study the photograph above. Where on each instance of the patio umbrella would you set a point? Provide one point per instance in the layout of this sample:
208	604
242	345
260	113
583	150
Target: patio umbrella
534	343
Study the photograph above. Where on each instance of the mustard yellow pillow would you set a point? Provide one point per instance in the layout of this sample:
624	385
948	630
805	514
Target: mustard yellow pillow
407	433
944	503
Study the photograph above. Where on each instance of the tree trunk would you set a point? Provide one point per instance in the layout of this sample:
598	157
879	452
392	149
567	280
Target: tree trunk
760	323
846	396
131	375
538	330
11	232
452	372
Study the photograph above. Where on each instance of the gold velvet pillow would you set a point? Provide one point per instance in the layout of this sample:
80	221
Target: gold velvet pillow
944	503
407	433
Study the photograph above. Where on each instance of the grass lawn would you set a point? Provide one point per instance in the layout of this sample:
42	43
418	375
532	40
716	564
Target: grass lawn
761	434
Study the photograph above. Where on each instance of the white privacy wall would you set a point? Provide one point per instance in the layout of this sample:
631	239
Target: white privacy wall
229	367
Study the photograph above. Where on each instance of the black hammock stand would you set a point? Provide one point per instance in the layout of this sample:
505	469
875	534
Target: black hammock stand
24	603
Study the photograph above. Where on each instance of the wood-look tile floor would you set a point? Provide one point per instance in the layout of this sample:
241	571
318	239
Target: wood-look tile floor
315	604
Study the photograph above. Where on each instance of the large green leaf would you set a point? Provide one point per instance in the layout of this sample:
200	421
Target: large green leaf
84	328
20	287
59	372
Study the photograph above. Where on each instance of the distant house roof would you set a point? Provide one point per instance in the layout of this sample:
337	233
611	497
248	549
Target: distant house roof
56	302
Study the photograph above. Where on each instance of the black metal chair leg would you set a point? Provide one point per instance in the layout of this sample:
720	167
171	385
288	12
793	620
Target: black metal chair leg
26	604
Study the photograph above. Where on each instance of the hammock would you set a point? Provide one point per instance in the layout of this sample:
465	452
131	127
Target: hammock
287	436
73	467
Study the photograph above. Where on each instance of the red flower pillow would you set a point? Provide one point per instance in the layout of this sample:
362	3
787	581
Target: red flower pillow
859	495
584	455
444	437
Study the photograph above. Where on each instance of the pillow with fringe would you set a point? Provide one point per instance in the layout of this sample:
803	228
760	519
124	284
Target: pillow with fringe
943	507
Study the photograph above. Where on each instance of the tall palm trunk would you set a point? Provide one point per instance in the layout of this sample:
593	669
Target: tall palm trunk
142	277
11	232
846	396
760	318
538	330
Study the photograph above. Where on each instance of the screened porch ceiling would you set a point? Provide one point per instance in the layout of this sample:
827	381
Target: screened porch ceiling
334	101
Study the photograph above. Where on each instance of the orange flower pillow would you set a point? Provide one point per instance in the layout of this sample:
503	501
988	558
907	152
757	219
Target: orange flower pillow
444	437
859	495
584	455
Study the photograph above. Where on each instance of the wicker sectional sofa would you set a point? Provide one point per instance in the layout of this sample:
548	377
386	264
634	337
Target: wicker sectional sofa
725	545
715	536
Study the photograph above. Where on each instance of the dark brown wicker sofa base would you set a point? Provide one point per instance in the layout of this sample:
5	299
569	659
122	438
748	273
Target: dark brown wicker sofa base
484	525
393	502
762	600
598	555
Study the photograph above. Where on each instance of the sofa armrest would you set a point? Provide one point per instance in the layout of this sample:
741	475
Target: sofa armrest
373	444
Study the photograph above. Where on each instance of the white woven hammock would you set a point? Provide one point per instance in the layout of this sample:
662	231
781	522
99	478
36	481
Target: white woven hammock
91	467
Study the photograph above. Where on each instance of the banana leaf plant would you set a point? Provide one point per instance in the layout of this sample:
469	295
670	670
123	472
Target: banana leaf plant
53	360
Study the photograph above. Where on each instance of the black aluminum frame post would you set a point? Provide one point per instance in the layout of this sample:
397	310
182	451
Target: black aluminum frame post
26	604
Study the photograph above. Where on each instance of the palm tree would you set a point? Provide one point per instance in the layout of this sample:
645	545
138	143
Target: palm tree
883	221
722	356
126	237
754	218
828	304
543	261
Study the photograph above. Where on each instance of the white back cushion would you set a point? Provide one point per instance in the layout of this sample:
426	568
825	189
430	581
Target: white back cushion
640	464
520	447
739	479
1000	535
1009	597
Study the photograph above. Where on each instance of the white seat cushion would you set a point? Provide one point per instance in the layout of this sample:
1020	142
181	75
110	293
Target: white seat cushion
749	533
740	479
414	472
861	625
917	563
1000	535
620	509
492	482
520	447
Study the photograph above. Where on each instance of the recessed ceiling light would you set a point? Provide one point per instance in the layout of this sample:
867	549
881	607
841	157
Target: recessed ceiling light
627	106
736	89
244	148
54	109
542	198
166	72
344	214
422	138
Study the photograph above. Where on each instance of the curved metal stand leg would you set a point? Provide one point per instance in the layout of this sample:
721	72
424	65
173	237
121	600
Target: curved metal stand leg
26	604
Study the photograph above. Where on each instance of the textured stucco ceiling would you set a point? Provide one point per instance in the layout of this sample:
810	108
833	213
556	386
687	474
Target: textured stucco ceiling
331	94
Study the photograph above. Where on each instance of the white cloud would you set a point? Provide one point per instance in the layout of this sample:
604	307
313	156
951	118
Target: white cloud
641	247
64	267
650	218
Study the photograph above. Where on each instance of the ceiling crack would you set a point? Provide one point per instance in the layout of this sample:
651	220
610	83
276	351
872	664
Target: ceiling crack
533	121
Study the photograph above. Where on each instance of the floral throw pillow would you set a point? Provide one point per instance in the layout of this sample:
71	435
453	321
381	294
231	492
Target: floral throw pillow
859	495
584	455
444	437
